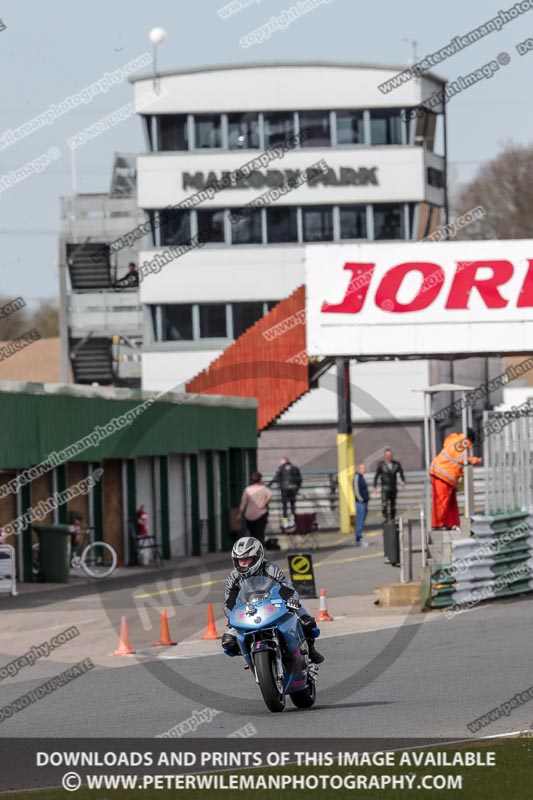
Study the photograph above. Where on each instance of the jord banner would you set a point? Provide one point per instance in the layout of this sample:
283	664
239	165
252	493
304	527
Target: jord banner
420	298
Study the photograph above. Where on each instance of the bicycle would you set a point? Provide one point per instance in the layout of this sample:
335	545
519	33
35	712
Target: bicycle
96	559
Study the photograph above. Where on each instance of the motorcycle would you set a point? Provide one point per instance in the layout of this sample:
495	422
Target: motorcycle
272	641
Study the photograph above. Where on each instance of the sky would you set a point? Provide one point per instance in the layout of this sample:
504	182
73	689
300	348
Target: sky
51	50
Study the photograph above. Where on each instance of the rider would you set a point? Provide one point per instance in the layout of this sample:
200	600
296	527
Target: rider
249	560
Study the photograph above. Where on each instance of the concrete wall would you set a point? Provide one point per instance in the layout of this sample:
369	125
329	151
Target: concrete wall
314	447
283	86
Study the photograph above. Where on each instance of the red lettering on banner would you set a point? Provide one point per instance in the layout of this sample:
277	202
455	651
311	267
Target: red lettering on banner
525	298
356	292
386	295
465	280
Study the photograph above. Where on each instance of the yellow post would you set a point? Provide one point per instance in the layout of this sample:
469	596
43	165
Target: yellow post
345	465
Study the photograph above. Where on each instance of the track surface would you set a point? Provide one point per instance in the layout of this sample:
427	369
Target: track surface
388	673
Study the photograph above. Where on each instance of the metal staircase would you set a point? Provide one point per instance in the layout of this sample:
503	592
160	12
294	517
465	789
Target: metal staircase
89	266
92	361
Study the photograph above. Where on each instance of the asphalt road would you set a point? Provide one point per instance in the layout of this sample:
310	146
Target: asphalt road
416	678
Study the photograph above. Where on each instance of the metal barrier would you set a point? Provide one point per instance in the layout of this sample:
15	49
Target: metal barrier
406	561
508	459
315	495
411	551
497	560
8	581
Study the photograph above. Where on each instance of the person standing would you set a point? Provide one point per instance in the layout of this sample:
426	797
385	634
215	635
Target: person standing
361	504
387	473
445	471
289	478
254	507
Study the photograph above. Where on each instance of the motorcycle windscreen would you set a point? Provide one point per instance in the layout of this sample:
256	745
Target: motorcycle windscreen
256	588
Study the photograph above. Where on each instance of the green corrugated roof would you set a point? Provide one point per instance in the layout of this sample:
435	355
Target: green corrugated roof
40	419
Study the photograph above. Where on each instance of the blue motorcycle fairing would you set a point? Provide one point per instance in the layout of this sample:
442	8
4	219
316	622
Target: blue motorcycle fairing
258	612
271	609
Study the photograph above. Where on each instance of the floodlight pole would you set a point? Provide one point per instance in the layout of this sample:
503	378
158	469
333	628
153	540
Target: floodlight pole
345	450
428	397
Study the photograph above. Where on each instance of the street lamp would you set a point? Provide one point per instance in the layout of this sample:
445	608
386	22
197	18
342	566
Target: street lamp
157	35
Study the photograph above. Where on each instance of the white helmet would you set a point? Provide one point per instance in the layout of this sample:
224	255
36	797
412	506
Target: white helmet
248	547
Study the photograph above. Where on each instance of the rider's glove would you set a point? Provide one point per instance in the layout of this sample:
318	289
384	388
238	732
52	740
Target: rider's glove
293	603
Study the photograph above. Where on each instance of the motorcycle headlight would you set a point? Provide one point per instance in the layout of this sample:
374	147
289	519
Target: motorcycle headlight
257	596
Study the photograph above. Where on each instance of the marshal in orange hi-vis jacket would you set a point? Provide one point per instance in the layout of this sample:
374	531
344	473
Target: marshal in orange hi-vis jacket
445	471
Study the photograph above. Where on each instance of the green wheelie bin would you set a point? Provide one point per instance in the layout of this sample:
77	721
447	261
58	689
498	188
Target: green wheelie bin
54	552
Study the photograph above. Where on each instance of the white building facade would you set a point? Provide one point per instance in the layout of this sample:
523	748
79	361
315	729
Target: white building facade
384	181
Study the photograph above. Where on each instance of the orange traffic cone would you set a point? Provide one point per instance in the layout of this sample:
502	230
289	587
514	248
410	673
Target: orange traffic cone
211	630
124	647
323	613
164	633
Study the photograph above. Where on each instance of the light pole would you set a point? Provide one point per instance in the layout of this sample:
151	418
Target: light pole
157	35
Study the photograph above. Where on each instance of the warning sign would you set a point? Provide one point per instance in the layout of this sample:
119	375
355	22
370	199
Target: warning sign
302	574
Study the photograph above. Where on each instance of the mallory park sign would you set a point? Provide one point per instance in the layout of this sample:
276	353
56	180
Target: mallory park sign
260	179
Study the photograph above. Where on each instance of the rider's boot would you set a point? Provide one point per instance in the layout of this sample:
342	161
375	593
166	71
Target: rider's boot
314	655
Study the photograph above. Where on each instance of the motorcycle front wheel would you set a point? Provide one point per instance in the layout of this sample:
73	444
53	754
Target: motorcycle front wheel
265	668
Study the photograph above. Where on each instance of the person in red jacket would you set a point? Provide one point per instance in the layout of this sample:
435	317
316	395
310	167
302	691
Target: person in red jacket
445	471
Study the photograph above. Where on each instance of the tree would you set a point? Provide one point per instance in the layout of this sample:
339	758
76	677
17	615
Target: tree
504	187
13	323
46	319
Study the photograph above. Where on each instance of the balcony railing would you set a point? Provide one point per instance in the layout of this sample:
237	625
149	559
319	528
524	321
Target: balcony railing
106	313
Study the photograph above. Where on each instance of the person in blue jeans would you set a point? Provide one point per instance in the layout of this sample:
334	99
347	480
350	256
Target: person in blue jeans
361	504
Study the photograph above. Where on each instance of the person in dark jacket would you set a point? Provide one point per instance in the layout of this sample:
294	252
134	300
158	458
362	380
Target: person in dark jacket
360	487
249	560
387	473
289	478
130	280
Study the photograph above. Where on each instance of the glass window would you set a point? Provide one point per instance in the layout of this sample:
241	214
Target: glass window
211	225
282	225
386	126
317	223
353	222
350	128
244	316
316	125
175	227
411	208
207	130
424	127
279	127
172	132
153	315
389	221
213	321
247	230
243	131
177	322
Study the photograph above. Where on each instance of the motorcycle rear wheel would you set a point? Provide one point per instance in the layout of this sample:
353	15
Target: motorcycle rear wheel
264	665
306	698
